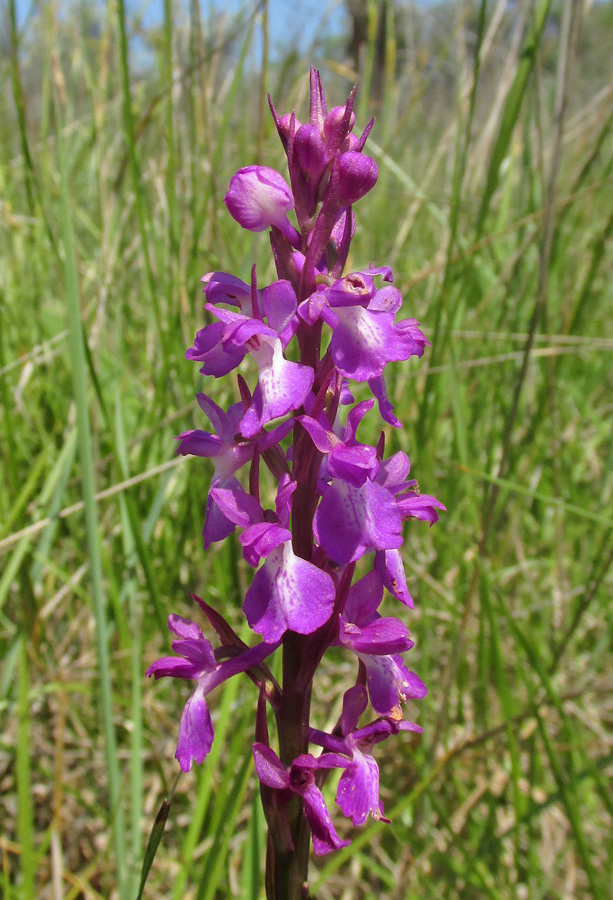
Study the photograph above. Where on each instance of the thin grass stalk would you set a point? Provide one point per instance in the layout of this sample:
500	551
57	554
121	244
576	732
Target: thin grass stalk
264	81
460	160
540	305
79	373
512	108
171	187
25	811
136	705
573	814
136	176
20	105
372	11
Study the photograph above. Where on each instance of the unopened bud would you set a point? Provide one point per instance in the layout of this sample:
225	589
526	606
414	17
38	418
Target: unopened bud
333	123
357	175
310	149
259	197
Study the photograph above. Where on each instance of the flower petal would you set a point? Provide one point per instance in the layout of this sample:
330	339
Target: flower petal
283	386
389	565
269	768
358	790
195	732
325	838
352	520
288	592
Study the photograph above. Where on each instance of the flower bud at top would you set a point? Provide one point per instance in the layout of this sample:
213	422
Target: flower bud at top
333	122
357	175
259	197
310	149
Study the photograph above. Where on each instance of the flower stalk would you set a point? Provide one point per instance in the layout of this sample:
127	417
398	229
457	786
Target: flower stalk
337	505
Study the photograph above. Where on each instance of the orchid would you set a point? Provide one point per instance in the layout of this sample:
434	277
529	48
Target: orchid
309	500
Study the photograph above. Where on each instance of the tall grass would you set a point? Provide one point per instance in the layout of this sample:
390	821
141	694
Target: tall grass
494	205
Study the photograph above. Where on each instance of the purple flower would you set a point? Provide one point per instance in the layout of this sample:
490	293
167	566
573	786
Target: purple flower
220	287
390	568
358	788
351	521
227	454
282	386
377	642
287	592
299	778
365	337
259	197
197	662
346	458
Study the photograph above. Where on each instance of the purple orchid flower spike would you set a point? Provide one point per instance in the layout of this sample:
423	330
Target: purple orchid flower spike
197	662
307	337
299	778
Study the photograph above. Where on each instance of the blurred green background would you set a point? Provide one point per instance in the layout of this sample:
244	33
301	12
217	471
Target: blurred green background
121	129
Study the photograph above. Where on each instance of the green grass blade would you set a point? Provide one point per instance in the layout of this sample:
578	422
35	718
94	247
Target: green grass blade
512	107
84	441
25	810
251	874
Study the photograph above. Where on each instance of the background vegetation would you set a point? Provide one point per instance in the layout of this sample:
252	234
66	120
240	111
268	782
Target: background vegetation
493	139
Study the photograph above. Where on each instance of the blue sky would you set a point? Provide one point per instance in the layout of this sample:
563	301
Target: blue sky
293	22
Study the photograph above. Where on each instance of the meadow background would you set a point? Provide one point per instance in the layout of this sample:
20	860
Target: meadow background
120	132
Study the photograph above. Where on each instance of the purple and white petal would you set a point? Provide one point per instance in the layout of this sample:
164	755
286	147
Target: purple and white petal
279	304
386	410
220	287
282	386
364	599
364	341
382	637
217	526
195	731
288	592
238	506
261	539
355	701
199	443
420	506
174	667
209	349
184	628
259	197
358	790
354	464
390	683
352	520
388	299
